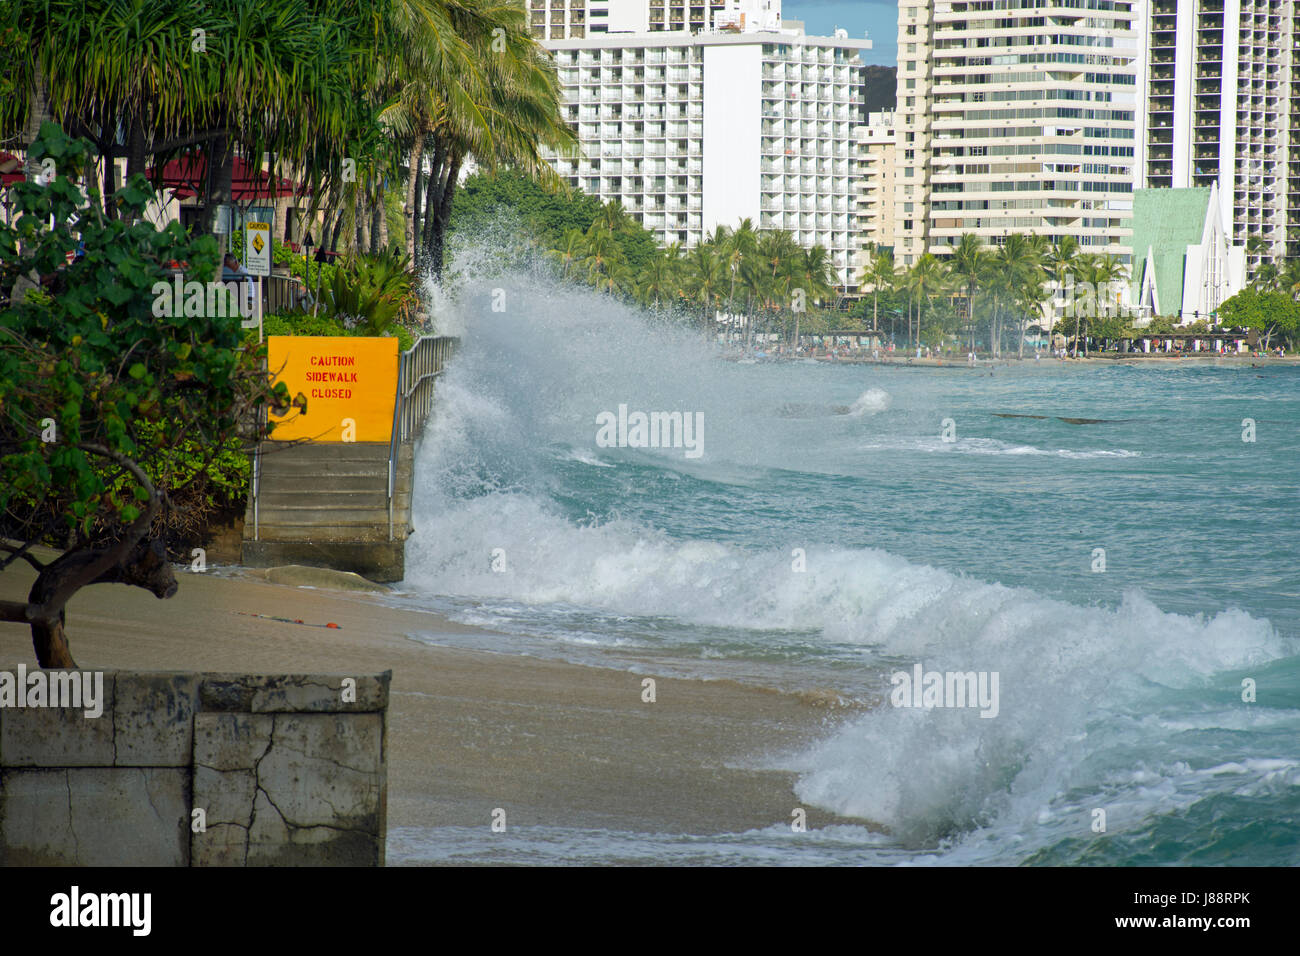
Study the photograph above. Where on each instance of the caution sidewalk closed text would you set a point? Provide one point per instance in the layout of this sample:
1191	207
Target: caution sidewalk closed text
346	380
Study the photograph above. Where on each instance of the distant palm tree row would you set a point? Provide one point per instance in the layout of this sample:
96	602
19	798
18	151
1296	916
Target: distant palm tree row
1268	277
1006	286
759	276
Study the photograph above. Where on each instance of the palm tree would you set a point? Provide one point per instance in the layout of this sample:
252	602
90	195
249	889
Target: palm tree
811	272
925	279
431	72
1101	273
757	284
278	78
575	242
879	273
1256	247
510	113
736	245
969	264
613	216
776	251
1267	278
658	281
1062	262
1015	264
704	278
1289	280
602	252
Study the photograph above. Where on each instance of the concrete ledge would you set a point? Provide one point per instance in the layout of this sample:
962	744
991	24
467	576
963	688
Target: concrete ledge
382	561
198	769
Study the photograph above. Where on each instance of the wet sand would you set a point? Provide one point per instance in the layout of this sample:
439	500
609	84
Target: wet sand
553	743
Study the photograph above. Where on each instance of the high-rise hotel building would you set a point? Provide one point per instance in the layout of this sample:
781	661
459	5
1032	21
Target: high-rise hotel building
690	131
570	19
1222	106
1016	116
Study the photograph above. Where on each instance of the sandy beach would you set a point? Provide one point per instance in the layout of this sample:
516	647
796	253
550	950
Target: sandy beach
553	743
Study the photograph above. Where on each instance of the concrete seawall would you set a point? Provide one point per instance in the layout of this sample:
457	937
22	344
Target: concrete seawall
197	769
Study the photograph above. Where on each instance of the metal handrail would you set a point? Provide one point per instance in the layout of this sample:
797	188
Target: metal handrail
416	370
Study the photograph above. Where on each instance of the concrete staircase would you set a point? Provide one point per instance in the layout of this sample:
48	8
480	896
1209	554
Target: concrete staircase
325	504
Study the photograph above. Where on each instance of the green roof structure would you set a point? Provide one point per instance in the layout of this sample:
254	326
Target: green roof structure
1165	223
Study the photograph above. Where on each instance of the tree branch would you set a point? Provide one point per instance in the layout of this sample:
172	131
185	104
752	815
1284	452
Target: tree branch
22	553
53	605
15	611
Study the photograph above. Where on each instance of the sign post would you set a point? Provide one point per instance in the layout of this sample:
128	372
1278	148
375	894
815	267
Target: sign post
257	260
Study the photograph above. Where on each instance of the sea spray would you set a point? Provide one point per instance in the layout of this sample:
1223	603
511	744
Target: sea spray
1106	698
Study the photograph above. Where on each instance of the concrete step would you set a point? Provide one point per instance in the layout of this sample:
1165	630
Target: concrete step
272	533
278	481
325	517
323	497
334	492
321	450
334	518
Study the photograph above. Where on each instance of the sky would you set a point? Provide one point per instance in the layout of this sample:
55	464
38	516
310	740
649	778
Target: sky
878	19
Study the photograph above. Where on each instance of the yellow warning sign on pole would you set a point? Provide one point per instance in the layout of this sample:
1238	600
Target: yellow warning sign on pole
257	248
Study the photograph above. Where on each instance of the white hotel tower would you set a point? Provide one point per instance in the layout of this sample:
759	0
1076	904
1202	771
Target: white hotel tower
1222	107
1016	116
745	118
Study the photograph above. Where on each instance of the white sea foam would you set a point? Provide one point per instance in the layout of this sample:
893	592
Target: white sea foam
985	446
870	402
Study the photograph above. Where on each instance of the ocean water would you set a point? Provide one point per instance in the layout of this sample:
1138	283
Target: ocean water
830	535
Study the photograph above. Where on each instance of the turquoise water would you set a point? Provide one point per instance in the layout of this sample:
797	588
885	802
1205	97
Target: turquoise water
829	535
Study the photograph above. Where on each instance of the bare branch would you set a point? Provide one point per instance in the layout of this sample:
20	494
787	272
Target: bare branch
23	553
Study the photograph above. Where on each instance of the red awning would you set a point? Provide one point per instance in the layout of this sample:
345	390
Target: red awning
187	177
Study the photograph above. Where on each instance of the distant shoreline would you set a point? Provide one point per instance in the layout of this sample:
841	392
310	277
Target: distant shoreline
986	362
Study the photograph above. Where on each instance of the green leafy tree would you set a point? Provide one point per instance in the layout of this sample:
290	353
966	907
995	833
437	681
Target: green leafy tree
1268	313
104	385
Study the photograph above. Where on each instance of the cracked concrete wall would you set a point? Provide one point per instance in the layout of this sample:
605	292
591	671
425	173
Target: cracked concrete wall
287	771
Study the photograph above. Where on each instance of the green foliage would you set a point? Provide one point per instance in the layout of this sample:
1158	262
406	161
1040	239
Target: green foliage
95	376
1269	313
372	294
547	215
300	323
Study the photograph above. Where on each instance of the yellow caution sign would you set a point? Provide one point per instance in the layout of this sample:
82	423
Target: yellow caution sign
350	385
